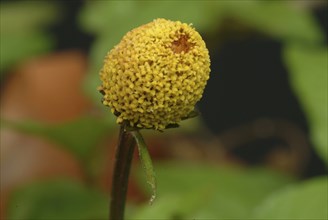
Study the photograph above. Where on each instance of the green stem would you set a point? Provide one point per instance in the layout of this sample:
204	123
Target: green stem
123	159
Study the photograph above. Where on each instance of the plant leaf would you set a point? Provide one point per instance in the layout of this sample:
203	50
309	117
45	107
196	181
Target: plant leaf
309	72
307	200
293	23
146	163
58	199
79	136
203	191
21	32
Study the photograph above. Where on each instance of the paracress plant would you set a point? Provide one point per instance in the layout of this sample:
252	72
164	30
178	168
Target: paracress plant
152	79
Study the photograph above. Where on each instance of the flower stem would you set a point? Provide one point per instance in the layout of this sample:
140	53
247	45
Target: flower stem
123	158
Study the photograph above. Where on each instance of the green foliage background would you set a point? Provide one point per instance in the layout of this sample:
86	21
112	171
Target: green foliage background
21	32
185	191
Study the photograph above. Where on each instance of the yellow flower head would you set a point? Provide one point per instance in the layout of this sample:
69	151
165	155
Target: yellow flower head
156	74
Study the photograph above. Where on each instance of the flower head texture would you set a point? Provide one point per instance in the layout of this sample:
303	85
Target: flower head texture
156	74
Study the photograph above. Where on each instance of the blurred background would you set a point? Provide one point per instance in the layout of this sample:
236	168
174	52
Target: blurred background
258	150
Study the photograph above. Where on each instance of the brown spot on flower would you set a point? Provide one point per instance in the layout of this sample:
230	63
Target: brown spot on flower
181	44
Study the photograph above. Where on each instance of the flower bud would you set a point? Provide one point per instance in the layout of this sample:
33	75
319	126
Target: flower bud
156	74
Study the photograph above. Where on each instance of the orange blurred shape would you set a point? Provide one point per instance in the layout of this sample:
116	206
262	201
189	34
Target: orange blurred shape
48	88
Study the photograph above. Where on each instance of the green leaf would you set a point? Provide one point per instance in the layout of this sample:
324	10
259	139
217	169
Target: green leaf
280	19
58	199
21	34
292	23
200	191
105	16
307	200
25	16
146	163
14	47
79	136
309	71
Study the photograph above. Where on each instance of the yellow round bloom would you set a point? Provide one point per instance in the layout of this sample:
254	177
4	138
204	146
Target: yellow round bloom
156	74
